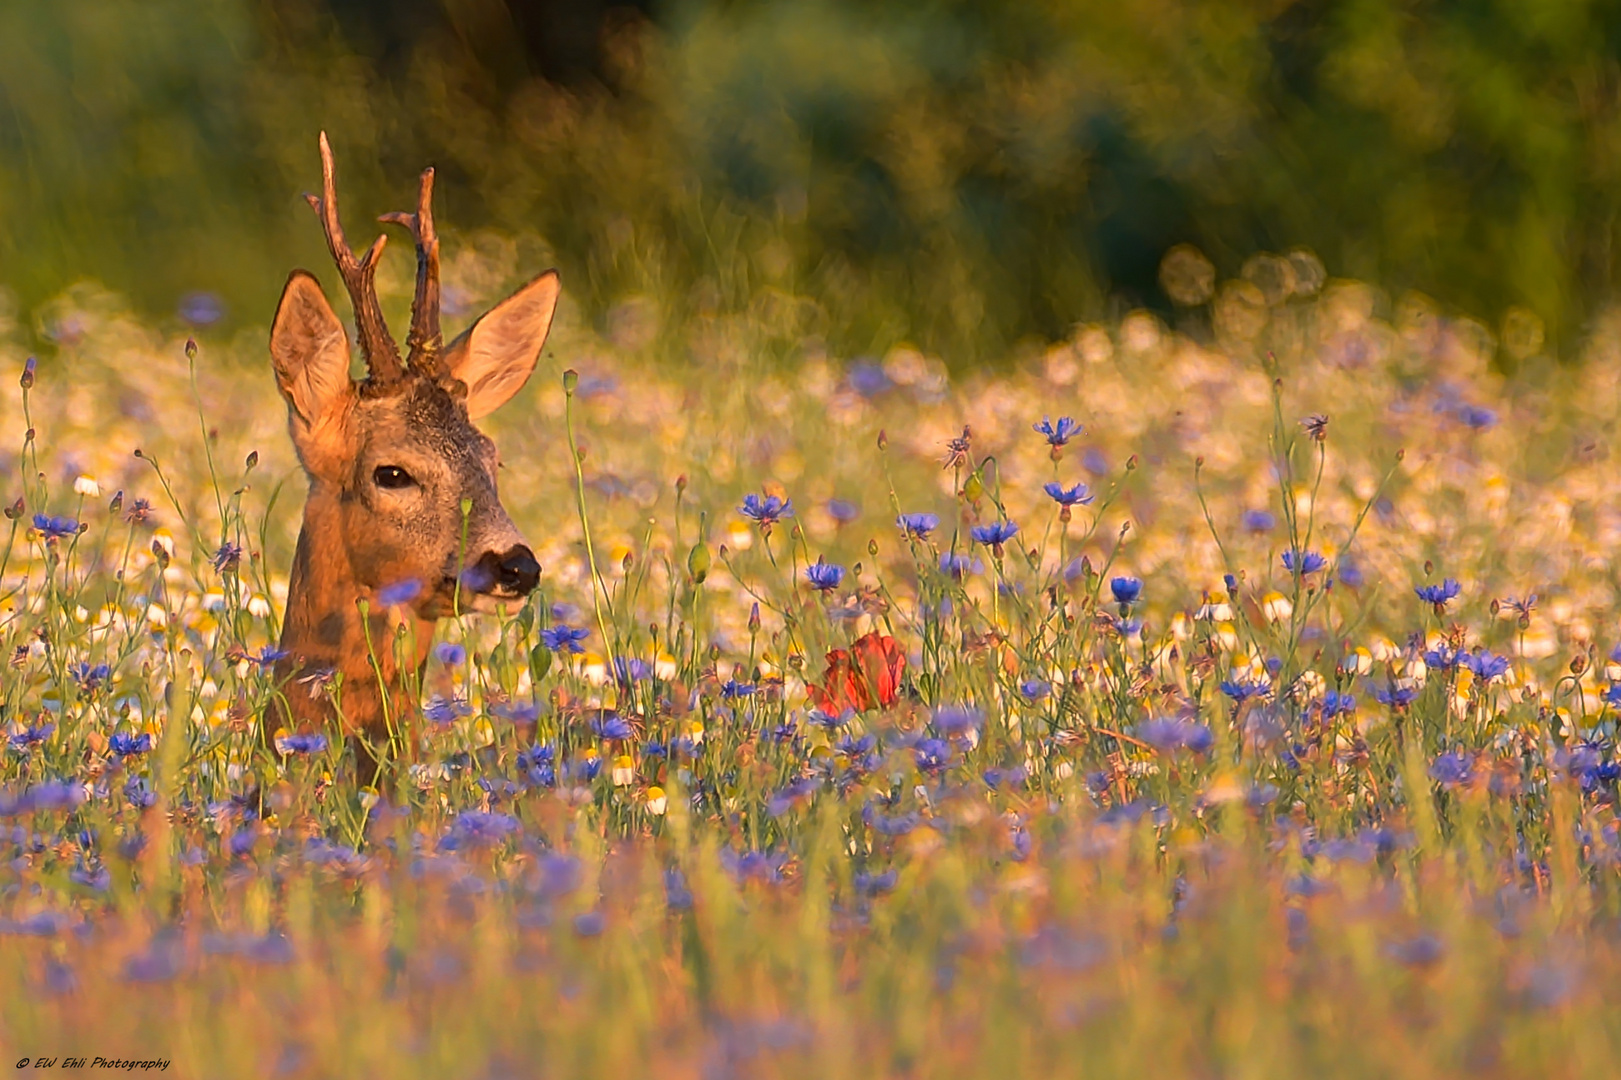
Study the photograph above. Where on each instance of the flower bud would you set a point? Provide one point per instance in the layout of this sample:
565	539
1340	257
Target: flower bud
698	562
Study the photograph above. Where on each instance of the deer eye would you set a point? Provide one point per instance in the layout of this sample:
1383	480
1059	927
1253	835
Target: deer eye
391	477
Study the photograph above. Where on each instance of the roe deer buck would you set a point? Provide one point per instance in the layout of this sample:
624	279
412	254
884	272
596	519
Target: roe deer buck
402	510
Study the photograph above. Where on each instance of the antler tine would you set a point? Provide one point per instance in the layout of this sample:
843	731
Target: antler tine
359	277
425	340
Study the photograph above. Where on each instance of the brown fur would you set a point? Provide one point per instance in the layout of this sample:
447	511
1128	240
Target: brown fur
364	532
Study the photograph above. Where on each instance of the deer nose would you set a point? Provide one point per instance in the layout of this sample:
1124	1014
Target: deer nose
518	571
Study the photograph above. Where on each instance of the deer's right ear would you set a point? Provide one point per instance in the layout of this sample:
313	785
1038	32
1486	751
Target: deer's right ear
310	353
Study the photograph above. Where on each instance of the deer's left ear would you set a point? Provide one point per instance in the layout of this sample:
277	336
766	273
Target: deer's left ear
496	355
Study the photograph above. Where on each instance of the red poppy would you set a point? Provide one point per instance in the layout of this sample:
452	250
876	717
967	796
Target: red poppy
868	674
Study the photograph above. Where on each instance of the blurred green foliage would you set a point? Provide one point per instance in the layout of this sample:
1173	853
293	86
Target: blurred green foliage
962	173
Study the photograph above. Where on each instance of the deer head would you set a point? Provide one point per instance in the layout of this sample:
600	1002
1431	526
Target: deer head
403	511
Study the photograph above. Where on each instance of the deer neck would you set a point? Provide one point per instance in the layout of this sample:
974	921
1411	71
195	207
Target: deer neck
325	631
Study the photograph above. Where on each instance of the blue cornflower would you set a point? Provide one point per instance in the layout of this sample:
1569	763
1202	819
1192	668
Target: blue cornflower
564	638
932	754
632	669
995	778
957	719
890	825
1476	416
1035	689
818	718
1309	561
875	884
611	726
1438	594
267	656
302	744
126	745
766	511
850	746
731	688
958	565
868	378
1397	697
450	654
1074	496
1165	733
1486	666
677	897
50	795
1443	657
1198	738
479	828
89	678
1241	689
1126	590
539	764
1421	951
995	534
30	737
55	528
1337	704
796	792
440	710
756	865
1060	433
824	575
842	511
399	593
918	526
1259	521
1450	770
140	795
1579	759
541	754
519	712
227	558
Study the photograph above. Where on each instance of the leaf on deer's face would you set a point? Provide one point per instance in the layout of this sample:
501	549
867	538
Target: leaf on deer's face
497	354
309	350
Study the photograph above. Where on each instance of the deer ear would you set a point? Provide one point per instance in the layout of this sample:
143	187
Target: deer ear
496	355
309	350
310	353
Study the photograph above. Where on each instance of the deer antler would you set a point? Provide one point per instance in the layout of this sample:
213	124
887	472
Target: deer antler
359	277
425	340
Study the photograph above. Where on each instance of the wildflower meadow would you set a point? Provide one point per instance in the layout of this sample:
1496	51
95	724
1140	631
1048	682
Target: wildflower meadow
1232	695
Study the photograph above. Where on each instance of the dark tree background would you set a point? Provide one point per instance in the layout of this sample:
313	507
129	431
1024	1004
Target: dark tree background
962	173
